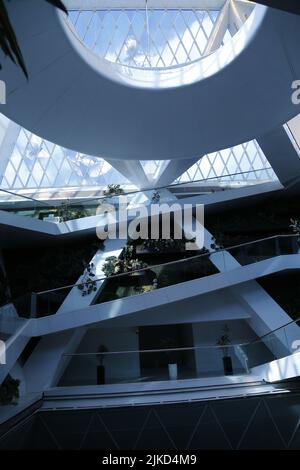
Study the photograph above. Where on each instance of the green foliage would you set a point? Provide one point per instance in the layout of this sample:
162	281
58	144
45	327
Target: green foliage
67	212
88	285
155	197
147	288
114	266
295	226
224	339
163	245
8	40
113	190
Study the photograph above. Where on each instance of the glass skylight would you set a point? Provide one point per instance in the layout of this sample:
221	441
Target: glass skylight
37	163
155	37
243	163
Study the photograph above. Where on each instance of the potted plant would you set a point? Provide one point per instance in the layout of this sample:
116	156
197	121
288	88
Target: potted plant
224	342
101	368
9	391
170	344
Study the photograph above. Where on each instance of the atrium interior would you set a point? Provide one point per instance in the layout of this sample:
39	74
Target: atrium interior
149	225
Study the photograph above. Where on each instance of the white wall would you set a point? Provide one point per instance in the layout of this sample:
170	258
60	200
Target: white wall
209	361
83	371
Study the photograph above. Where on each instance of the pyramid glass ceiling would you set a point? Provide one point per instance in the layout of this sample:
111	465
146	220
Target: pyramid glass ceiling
156	34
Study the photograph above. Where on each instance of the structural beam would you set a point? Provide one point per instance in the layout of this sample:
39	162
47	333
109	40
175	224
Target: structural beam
219	30
141	4
132	170
283	154
173	170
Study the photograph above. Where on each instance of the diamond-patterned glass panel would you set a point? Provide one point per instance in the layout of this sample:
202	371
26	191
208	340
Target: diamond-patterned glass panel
154	168
242	163
154	37
37	163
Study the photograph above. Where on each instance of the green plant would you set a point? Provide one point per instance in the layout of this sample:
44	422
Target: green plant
295	226
113	190
9	391
161	245
66	212
109	266
147	288
155	197
224	340
113	265
128	252
88	285
8	40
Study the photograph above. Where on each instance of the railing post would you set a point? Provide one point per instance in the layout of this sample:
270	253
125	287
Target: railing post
277	246
33	303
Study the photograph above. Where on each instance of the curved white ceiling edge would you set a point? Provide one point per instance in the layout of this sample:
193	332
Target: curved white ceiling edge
70	103
168	77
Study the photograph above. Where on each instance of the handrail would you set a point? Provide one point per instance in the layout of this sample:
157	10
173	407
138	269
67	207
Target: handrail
47	203
190	348
183	260
25	197
174	185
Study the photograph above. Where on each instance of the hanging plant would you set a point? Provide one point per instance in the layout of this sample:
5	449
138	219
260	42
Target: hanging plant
88	285
8	39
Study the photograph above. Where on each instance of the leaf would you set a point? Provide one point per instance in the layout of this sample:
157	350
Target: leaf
8	40
58	4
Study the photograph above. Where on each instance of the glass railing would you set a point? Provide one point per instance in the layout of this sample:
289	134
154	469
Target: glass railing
119	367
280	343
22	205
70	209
149	365
148	279
260	250
10	322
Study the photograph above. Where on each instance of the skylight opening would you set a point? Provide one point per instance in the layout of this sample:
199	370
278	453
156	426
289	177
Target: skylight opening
151	36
